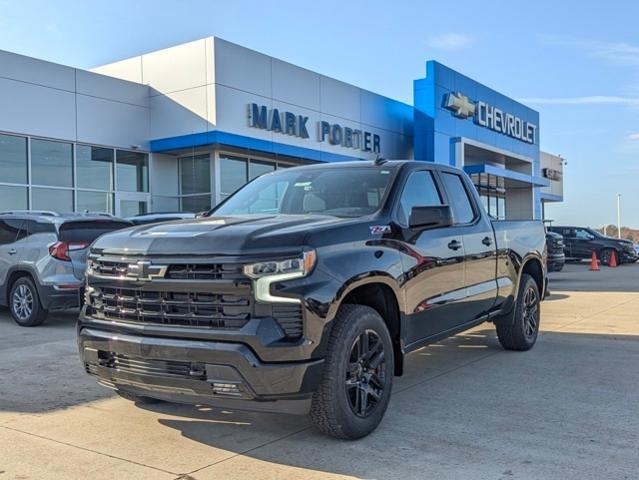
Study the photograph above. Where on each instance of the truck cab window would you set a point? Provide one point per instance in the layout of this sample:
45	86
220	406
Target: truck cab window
458	198
419	191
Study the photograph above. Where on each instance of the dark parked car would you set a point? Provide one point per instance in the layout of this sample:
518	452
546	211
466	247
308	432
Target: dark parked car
146	218
556	255
43	260
580	242
304	291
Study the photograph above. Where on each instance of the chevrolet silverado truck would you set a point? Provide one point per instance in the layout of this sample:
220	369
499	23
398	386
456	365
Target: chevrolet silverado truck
305	290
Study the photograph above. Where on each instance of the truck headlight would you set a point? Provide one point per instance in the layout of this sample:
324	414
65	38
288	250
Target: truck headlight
300	266
266	273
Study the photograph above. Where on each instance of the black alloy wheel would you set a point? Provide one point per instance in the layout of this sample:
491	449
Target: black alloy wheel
530	312
366	374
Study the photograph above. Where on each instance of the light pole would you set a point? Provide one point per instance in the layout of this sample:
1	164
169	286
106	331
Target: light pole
619	215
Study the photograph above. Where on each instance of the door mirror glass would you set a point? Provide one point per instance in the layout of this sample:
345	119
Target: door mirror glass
436	216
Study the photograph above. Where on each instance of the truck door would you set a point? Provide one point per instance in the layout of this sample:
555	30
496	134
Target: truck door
433	265
480	263
583	244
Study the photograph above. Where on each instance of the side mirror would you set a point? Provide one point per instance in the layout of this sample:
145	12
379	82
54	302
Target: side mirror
430	217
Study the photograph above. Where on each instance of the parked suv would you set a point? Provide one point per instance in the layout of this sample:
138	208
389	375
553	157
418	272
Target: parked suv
580	242
43	260
303	291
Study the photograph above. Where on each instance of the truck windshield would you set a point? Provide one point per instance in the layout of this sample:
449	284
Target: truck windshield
340	192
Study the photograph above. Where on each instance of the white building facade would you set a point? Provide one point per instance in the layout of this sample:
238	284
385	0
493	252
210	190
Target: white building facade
178	129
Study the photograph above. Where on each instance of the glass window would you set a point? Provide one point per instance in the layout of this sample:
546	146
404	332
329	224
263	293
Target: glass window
94	167
132	171
458	198
51	199
195	174
484	202
419	191
13	159
166	204
232	174
259	168
52	163
501	208
131	208
342	192
196	203
582	234
9	229
99	202
13	198
492	206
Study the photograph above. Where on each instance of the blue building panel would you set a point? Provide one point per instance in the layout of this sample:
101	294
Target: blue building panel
438	128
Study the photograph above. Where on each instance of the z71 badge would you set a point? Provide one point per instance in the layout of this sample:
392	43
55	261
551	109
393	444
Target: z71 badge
380	229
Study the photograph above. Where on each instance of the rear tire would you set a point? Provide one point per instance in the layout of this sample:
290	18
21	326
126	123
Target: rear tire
141	399
519	329
358	374
24	303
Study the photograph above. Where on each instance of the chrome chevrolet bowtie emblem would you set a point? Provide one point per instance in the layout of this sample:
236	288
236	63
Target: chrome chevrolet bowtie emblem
145	271
460	104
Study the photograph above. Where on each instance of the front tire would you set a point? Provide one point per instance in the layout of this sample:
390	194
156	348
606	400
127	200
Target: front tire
358	375
519	329
24	304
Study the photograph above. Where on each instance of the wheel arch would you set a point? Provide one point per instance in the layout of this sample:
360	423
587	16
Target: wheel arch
12	276
533	266
382	294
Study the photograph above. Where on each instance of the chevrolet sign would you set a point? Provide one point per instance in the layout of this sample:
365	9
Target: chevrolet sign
487	116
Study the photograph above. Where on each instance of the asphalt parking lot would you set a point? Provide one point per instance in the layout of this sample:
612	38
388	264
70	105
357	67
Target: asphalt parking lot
465	408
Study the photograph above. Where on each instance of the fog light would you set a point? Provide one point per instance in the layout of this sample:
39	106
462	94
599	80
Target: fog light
227	389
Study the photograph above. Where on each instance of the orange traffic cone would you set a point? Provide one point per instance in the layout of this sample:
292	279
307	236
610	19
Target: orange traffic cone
613	259
594	263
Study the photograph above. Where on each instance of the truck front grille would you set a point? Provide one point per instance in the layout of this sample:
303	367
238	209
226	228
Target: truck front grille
192	309
213	271
210	295
192	271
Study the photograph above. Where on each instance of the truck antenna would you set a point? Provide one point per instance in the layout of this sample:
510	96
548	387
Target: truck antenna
379	160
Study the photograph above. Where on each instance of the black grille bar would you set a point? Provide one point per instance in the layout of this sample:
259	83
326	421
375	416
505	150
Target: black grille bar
192	309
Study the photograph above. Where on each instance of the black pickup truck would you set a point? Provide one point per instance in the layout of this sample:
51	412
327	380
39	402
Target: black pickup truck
304	291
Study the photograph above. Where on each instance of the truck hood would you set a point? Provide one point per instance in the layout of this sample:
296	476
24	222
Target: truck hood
242	235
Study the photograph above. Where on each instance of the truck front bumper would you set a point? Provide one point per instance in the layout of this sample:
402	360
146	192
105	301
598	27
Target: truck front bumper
222	374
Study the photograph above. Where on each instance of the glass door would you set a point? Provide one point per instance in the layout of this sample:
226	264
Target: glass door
131	204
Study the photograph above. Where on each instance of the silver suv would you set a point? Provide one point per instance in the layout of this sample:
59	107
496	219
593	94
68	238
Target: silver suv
43	260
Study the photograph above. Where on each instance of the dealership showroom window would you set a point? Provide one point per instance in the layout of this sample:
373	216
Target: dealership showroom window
41	174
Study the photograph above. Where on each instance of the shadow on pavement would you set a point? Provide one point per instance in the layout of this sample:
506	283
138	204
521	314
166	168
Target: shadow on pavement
556	296
447	414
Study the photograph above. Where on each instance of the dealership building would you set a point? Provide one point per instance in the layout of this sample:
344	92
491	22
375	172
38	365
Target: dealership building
184	127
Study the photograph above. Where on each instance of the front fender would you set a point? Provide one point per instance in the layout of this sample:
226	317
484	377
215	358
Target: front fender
340	269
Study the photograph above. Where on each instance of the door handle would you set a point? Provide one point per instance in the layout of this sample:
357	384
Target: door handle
455	245
487	241
13	251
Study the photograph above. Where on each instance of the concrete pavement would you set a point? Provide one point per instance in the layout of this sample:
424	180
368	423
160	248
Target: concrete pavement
464	409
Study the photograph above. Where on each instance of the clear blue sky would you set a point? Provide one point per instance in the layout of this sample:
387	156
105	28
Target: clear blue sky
577	62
